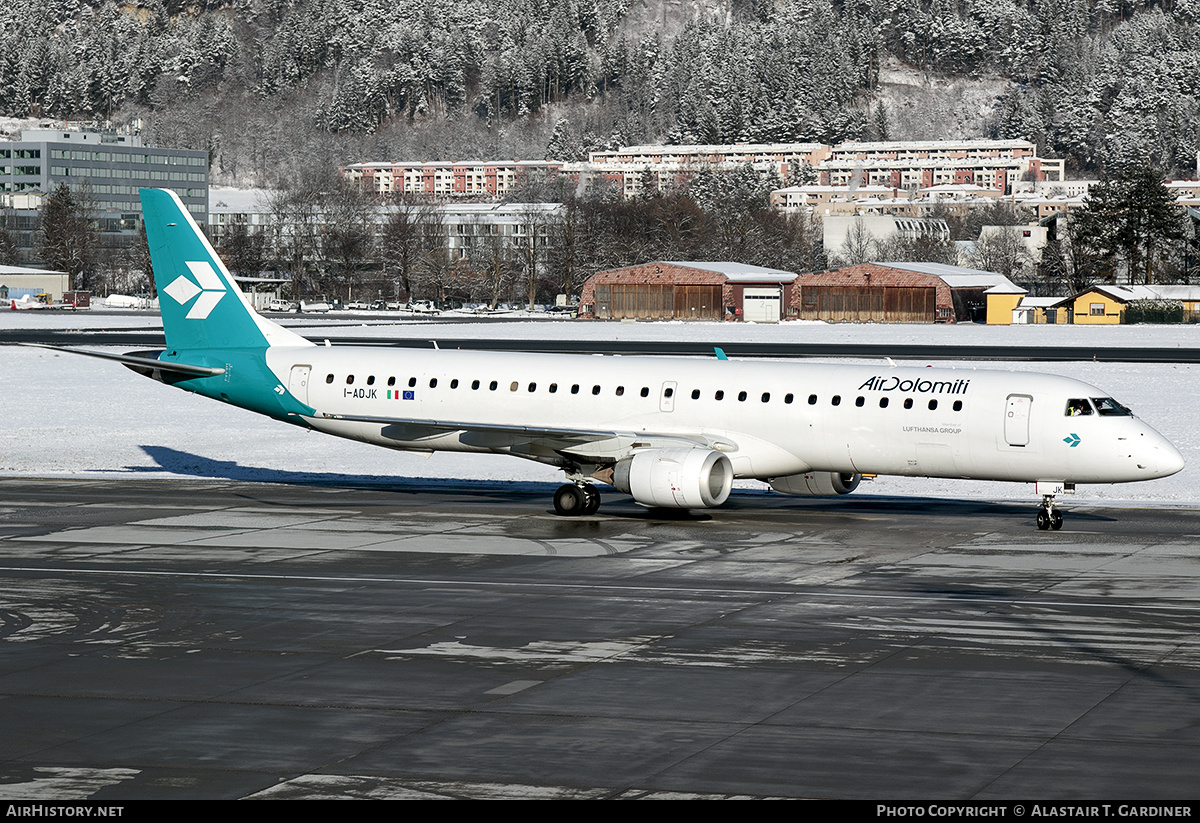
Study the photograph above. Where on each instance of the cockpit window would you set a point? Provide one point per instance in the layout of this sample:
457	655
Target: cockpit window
1107	407
1078	406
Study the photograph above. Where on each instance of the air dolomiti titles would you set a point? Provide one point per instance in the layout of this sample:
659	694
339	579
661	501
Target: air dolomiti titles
892	383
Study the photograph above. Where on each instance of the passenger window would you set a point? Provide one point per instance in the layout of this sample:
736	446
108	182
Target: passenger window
493	386
474	385
958	405
720	395
329	378
1078	407
595	389
454	383
695	394
553	388
412	382
513	386
620	391
349	379
741	397
836	400
787	398
812	400
669	393
533	387
433	382
933	405
766	397
859	401
575	389
391	381
371	380
908	402
883	402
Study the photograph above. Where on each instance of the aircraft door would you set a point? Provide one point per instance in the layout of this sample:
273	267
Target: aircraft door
666	400
298	383
1016	419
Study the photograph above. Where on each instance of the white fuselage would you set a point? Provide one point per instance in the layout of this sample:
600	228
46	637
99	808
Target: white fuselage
771	418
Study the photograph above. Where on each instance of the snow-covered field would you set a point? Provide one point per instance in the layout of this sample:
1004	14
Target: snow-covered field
73	416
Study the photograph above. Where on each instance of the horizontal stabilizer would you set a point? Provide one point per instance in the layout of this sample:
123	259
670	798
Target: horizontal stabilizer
139	362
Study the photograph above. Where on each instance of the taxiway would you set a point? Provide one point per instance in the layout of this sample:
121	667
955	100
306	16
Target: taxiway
217	639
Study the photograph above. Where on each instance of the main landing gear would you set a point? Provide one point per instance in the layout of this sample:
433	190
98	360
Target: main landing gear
1048	517
574	499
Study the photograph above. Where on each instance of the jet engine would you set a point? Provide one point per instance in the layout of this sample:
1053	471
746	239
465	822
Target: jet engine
675	478
817	484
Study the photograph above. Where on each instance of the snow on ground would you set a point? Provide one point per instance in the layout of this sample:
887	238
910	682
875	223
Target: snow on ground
66	415
538	325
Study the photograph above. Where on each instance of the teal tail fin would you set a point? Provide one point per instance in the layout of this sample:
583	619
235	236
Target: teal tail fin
201	305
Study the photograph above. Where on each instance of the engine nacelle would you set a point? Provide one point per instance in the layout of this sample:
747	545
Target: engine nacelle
817	484
676	478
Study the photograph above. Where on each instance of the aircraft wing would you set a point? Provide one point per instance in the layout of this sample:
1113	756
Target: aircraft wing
600	445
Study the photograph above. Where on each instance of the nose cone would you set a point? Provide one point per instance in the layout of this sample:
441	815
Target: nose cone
1170	460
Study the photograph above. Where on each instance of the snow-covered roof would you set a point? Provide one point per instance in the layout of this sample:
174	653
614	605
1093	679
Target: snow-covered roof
1126	293
737	272
22	270
957	277
1005	287
1178	292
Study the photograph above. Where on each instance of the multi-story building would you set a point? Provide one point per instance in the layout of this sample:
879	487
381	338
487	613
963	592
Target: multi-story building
459	223
781	158
918	164
822	200
444	179
994	165
111	166
840	231
104	169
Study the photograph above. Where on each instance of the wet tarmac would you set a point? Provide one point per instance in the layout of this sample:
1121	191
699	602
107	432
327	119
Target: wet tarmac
217	639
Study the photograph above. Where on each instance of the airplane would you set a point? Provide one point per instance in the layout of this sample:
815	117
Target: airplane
26	303
671	432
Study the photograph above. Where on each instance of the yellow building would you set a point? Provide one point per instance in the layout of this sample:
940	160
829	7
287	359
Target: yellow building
1106	304
1002	300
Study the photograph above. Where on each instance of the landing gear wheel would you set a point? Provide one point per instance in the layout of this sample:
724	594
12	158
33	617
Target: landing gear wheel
592	500
571	501
1048	516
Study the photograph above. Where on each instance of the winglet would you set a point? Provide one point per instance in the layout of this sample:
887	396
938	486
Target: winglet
720	353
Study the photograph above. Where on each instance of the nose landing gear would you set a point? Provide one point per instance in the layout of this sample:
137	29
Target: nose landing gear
1049	517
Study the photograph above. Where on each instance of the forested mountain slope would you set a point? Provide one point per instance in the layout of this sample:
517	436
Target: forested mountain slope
271	87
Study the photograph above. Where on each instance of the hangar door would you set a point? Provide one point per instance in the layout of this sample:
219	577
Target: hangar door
854	304
761	305
654	302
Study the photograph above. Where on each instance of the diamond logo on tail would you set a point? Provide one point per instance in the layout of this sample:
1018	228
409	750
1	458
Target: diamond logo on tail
207	294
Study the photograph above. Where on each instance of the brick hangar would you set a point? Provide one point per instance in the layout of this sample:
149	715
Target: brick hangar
891	292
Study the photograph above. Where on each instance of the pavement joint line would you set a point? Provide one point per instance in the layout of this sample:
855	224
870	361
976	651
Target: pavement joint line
1152	605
